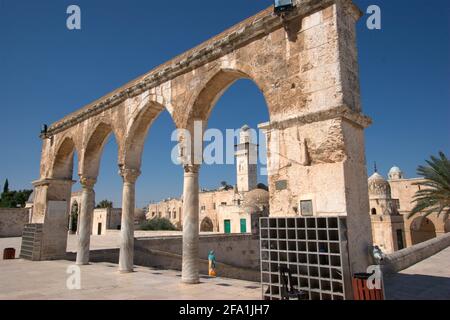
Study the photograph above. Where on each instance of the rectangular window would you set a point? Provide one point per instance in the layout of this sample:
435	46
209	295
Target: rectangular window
397	204
306	208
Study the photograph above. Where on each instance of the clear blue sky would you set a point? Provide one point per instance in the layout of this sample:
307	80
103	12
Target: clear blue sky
47	72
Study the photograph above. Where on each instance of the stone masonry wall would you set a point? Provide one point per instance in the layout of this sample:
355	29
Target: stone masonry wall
12	222
234	250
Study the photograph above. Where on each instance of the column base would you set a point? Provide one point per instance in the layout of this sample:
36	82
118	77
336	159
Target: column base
126	271
190	281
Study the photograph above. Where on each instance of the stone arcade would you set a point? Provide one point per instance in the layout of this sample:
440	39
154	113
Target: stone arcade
306	67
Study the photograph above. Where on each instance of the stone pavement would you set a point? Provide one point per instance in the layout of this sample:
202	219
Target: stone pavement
427	280
24	280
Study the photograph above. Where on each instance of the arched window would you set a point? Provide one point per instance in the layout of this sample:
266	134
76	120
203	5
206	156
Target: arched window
374	211
206	225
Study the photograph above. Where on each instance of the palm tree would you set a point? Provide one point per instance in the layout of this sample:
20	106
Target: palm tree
434	193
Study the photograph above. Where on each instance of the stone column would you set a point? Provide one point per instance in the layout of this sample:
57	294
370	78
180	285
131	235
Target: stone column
71	222
126	258
86	216
190	270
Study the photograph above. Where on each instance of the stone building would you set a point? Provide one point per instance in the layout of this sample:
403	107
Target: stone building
387	223
106	219
227	209
391	201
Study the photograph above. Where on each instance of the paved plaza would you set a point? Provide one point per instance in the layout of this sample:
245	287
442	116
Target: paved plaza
19	279
427	280
24	280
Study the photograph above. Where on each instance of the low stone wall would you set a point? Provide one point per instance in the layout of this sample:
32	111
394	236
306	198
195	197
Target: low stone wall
166	260
406	258
12	222
237	250
237	255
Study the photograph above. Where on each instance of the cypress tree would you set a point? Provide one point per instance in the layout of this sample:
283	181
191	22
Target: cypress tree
6	186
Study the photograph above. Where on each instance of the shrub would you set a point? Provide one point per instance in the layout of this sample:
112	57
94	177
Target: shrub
158	224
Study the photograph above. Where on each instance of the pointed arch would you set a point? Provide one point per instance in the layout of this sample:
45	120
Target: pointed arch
138	130
206	225
422	229
202	104
93	149
62	167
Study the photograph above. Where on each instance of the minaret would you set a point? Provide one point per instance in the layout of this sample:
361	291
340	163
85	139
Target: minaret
246	161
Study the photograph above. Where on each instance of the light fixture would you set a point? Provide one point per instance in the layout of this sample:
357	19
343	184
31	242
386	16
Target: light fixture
282	6
44	132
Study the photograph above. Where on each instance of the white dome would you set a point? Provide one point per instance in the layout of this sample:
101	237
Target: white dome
395	173
378	186
395	170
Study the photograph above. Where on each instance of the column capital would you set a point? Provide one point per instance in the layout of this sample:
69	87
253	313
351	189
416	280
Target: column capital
129	175
87	182
191	168
49	181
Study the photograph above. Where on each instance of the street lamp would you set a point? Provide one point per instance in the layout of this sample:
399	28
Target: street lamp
282	6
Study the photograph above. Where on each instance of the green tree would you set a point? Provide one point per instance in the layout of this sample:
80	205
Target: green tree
158	224
6	186
14	199
434	194
105	204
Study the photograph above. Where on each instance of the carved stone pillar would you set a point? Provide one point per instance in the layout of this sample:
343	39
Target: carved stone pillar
86	216
190	270
126	259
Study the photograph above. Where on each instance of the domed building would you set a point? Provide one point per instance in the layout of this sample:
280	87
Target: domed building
380	196
391	201
387	224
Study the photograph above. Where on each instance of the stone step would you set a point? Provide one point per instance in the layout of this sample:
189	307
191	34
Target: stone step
31	241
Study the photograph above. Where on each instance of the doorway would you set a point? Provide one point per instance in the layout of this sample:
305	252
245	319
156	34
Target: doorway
243	225
400	240
227	226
